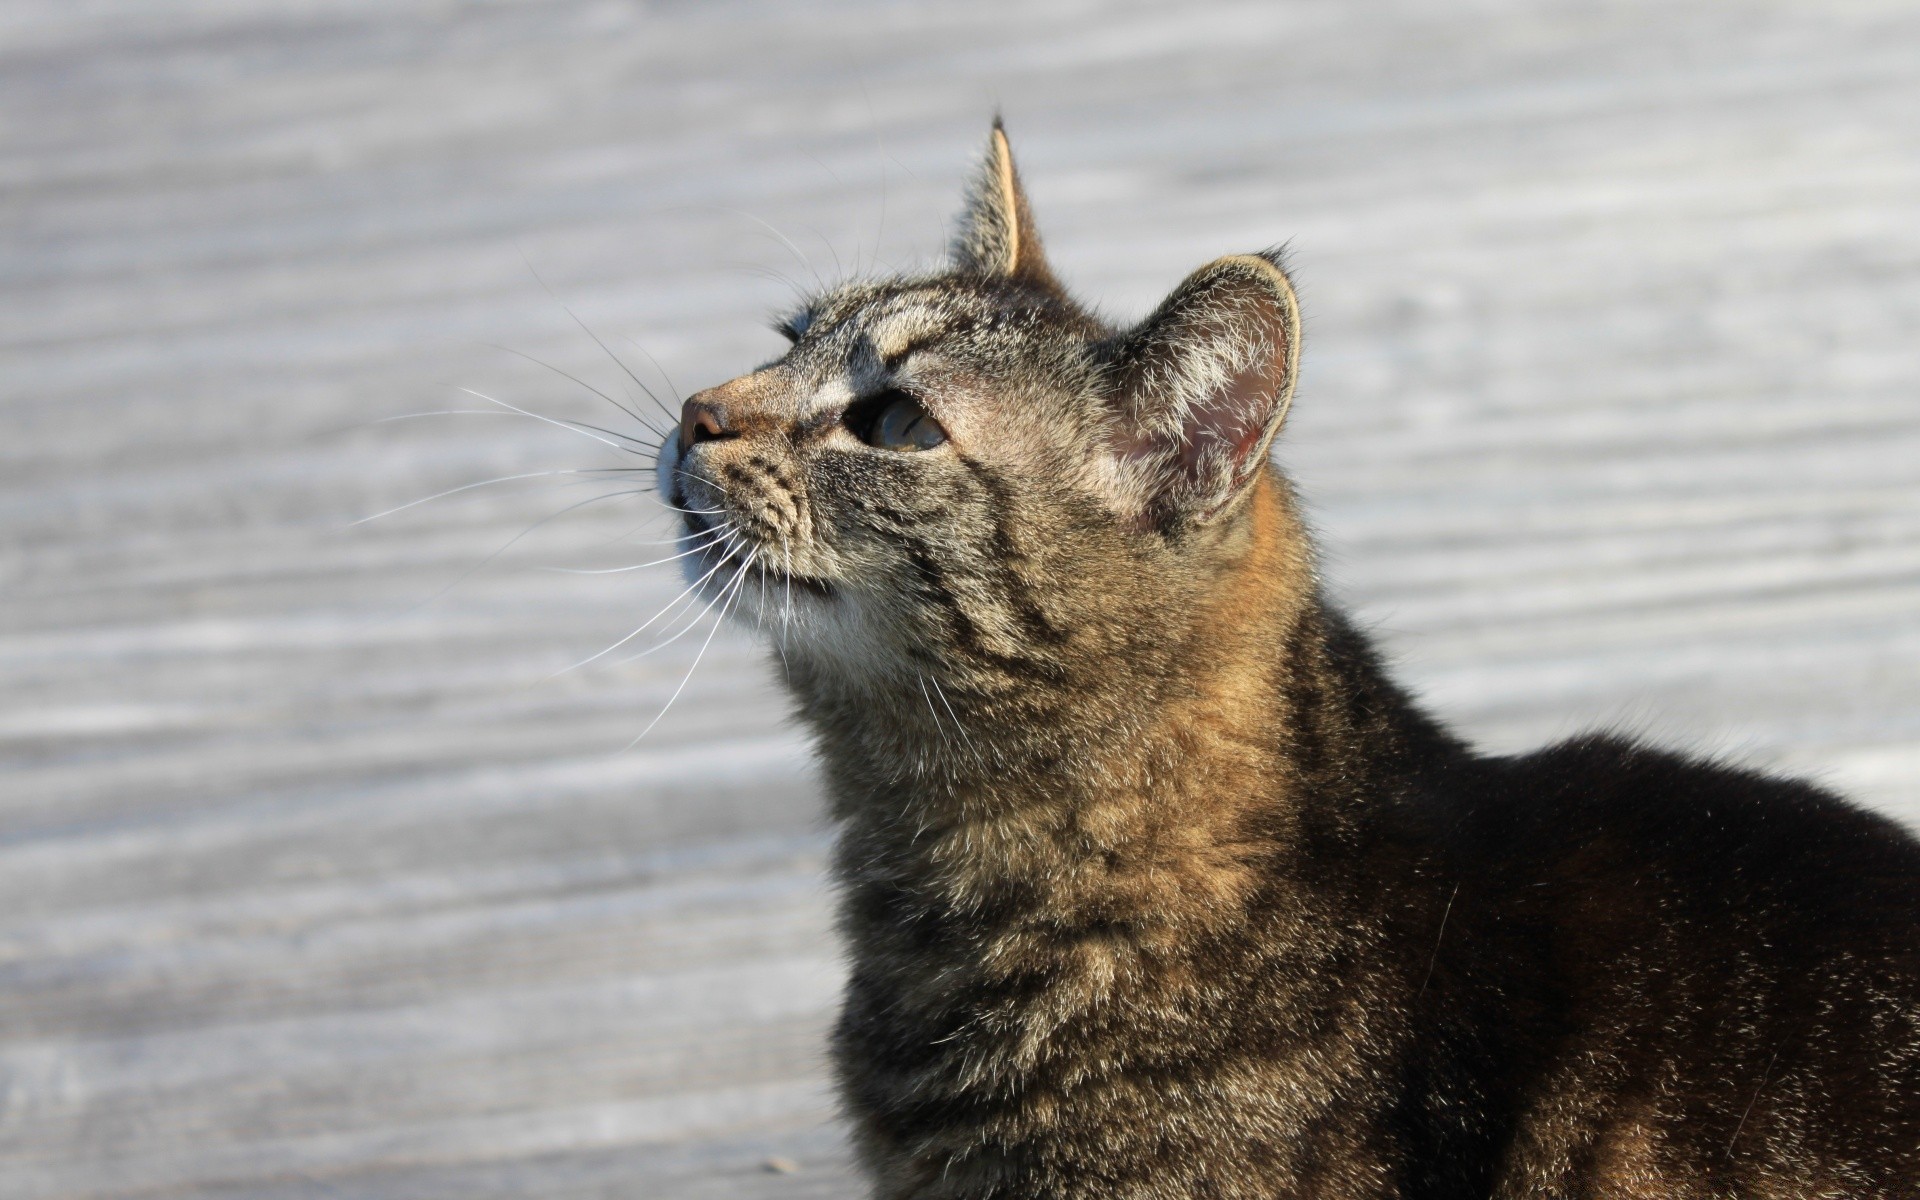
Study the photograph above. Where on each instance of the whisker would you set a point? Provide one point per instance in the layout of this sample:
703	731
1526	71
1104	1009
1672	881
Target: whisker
692	587
742	574
644	423
508	544
972	746
786	618
773	274
672	417
635	567
641	447
682	631
785	241
839	269
780	630
682	472
465	487
579	427
718	487
665	411
685	606
937	727
675	391
440	412
760	609
489	412
622	536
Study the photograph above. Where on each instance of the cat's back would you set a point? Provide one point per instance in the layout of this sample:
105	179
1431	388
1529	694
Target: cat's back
1600	807
1729	957
1692	869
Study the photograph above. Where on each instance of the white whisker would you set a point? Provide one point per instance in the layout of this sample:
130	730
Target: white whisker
786	556
571	426
785	241
684	629
937	727
673	541
441	412
489	412
465	487
508	544
760	609
671	389
644	423
972	747
712	538
696	658
670	415
648	624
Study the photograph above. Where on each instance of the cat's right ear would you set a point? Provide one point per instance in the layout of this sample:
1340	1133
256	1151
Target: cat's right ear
1200	388
997	236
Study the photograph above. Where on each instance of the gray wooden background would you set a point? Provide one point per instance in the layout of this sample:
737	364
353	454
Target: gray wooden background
317	881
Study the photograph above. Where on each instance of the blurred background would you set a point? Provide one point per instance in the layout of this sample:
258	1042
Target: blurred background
319	879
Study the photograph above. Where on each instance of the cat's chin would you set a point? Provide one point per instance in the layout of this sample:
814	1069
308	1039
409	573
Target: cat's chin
749	589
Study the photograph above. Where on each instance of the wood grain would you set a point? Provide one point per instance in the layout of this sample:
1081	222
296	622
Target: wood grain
320	880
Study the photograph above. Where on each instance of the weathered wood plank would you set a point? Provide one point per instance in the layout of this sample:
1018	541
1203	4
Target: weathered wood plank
320	882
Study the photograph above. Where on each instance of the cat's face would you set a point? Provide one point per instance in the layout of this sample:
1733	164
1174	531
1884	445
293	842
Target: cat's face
883	472
966	470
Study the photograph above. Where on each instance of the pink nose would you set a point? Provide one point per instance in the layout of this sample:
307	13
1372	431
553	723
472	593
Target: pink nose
700	422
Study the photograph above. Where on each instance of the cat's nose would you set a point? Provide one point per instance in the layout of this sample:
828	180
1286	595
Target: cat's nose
701	422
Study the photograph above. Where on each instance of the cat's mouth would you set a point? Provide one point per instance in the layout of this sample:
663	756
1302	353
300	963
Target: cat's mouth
726	551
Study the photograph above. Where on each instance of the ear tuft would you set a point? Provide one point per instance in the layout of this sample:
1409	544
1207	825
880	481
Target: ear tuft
997	236
1202	386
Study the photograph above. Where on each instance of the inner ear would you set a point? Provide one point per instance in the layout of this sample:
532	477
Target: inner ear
997	236
1231	420
1202	387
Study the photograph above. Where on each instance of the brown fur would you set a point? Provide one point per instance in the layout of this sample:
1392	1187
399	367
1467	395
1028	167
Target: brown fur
1154	884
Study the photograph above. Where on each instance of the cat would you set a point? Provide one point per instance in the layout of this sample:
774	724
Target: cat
1154	884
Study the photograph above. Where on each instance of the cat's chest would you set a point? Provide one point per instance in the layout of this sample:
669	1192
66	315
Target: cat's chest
960	1006
1043	1040
1030	975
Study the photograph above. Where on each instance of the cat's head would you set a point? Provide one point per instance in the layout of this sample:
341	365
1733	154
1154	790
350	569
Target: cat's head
967	473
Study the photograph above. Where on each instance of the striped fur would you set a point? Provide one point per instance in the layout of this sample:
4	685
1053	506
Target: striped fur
1155	885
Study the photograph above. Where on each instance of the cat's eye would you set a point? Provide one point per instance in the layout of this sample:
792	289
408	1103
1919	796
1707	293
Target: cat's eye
893	420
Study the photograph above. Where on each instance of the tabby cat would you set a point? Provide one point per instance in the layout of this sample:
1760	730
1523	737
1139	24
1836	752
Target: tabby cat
1155	885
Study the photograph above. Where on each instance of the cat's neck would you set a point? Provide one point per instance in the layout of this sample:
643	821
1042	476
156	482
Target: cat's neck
1264	708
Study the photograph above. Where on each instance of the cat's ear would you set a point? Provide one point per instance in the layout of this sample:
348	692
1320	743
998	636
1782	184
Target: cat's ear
997	236
1201	388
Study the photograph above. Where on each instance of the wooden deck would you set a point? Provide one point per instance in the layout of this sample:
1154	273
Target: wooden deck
318	881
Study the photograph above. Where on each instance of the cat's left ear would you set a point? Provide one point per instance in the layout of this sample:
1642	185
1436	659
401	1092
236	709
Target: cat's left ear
1201	388
997	236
